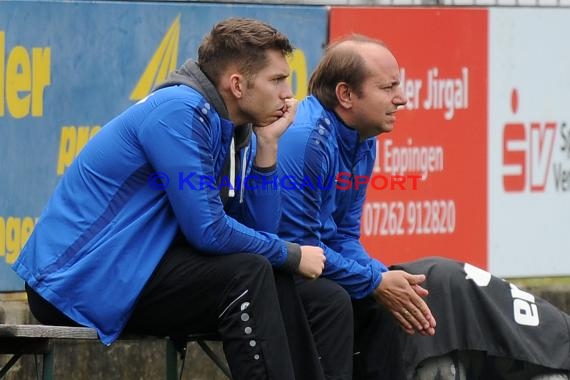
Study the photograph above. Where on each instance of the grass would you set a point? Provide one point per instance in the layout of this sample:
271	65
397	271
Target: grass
539	282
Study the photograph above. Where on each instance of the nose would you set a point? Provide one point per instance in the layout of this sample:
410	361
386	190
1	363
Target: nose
400	99
286	91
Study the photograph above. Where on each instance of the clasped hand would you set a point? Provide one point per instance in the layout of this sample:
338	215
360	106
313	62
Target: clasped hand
402	294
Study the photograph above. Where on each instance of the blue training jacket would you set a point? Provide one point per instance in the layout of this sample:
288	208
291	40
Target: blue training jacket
316	150
111	219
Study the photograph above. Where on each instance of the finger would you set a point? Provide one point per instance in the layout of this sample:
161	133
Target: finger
424	313
290	102
290	105
428	332
406	325
421	315
415	318
415	279
422	292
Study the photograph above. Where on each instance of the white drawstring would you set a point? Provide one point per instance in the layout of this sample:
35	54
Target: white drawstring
231	192
243	170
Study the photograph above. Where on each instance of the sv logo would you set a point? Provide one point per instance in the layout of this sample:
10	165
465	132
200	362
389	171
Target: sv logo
527	153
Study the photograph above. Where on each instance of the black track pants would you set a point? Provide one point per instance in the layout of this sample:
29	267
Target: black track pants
238	296
356	339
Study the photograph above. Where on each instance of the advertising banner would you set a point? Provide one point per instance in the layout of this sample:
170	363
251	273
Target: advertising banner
428	195
66	68
529	142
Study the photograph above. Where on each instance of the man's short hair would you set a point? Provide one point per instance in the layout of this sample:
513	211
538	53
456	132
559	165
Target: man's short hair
241	41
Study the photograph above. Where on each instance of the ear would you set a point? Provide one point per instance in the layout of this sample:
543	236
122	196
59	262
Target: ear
237	84
344	95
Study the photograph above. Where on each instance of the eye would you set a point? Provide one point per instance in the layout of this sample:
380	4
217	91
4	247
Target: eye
390	87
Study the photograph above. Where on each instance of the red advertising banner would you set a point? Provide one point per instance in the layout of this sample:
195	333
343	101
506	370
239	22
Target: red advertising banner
430	192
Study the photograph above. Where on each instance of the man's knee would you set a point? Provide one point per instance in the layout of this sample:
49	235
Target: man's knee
328	294
340	305
248	267
338	297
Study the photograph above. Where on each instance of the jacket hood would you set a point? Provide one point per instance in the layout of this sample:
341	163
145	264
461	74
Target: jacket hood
191	75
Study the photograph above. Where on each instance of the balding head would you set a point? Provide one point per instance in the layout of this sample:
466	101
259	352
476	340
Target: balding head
344	61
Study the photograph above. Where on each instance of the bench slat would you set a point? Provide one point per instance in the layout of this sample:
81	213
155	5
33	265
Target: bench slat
69	332
45	331
36	339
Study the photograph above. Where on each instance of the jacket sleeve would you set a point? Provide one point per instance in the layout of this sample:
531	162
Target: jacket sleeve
347	241
257	202
308	214
179	139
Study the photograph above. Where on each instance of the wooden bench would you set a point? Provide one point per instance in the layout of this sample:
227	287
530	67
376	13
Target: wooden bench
18	340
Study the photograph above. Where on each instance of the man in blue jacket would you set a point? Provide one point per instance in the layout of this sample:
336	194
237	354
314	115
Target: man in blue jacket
355	97
383	327
152	230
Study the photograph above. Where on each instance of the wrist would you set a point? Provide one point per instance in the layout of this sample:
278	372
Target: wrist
266	155
265	169
293	258
266	142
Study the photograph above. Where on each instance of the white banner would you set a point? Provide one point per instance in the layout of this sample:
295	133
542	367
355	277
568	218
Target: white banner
529	142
